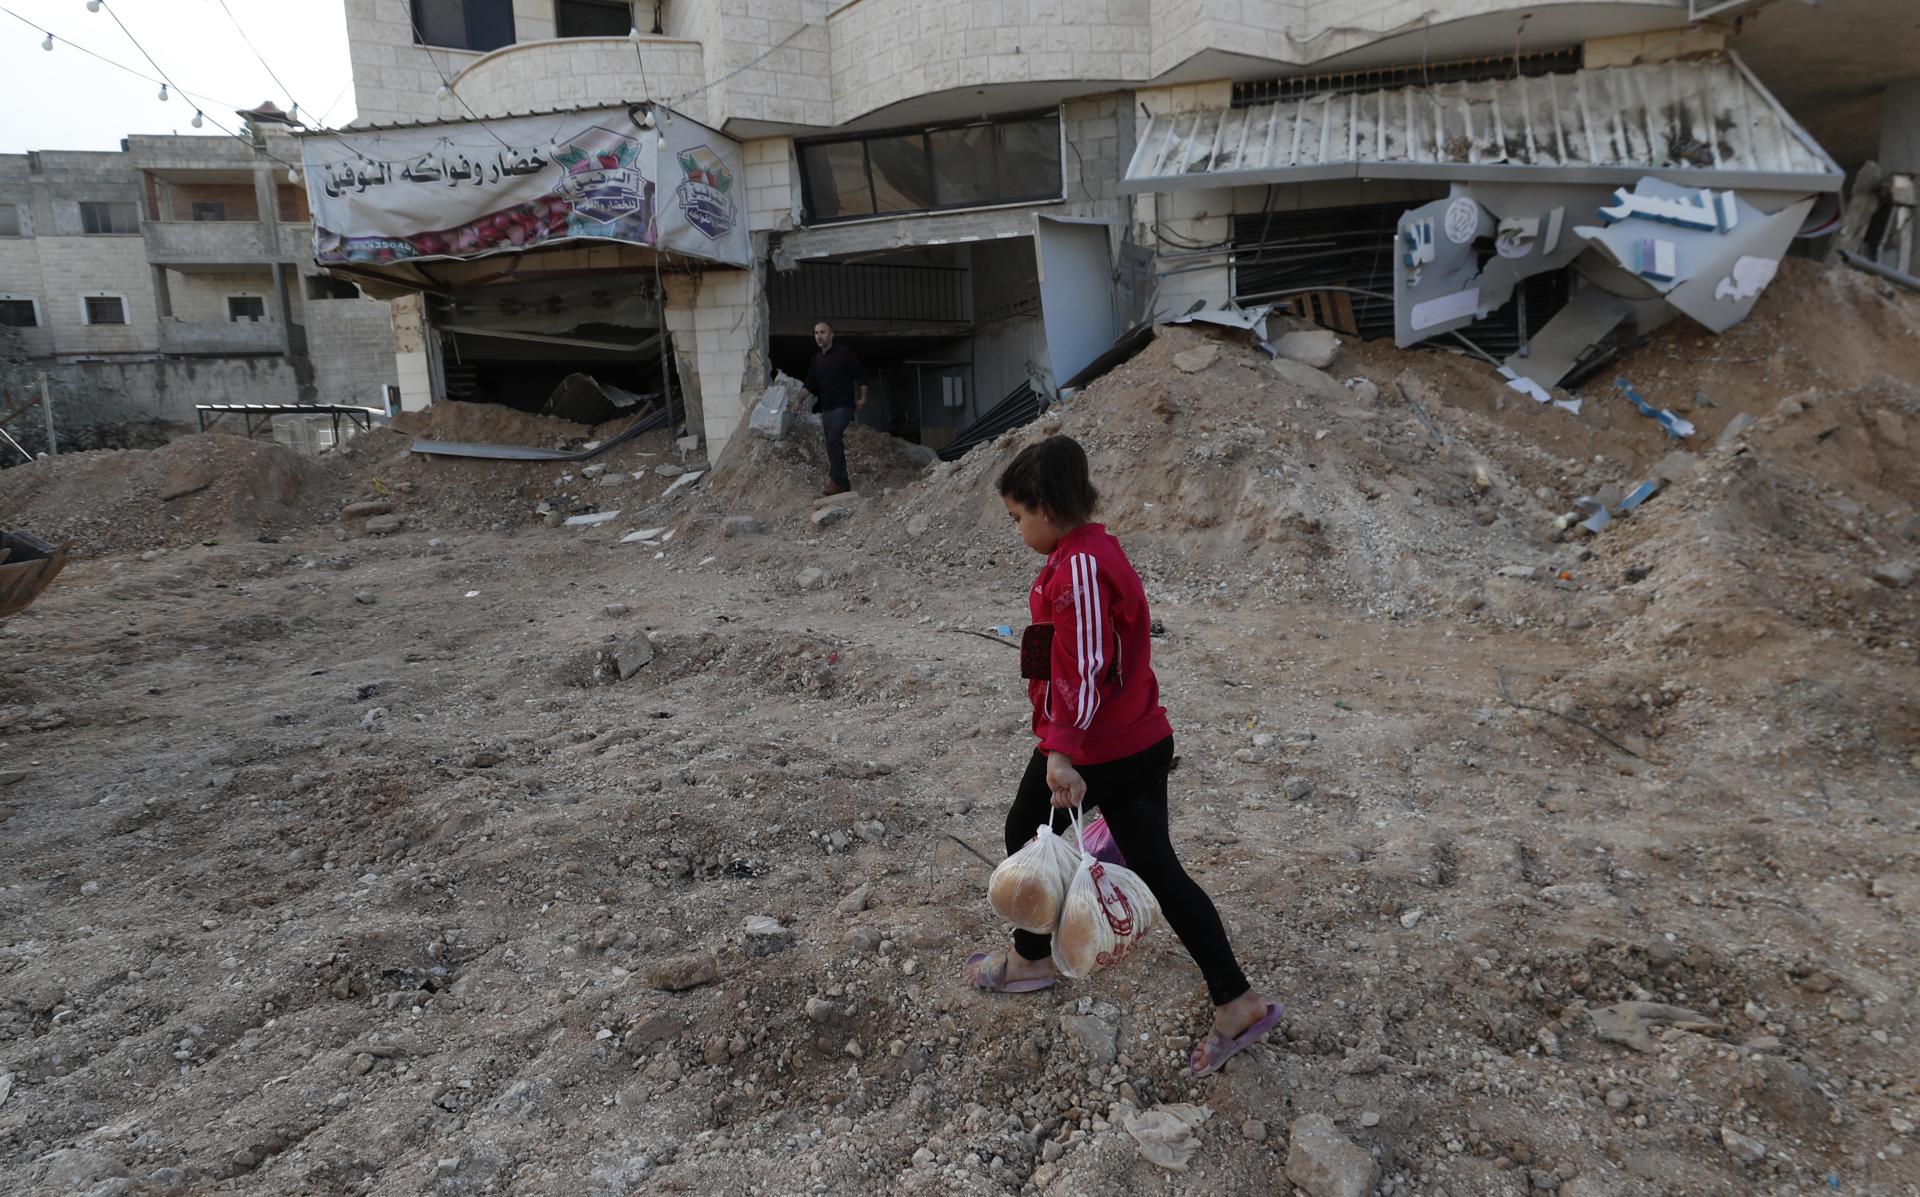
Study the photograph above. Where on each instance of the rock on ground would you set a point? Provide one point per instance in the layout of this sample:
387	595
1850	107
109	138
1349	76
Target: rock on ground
1325	1162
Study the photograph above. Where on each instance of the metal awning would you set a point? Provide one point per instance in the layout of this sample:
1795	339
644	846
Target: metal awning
1707	123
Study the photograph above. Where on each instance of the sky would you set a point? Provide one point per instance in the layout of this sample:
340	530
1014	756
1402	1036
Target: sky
66	100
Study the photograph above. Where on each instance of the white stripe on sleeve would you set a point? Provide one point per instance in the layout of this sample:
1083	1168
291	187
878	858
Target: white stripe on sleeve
1086	589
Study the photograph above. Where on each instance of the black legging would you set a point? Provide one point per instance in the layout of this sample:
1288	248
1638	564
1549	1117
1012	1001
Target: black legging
1132	793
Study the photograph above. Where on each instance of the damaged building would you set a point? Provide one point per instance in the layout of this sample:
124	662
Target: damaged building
981	198
179	271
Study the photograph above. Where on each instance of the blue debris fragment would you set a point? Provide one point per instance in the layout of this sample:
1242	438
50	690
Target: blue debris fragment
1676	427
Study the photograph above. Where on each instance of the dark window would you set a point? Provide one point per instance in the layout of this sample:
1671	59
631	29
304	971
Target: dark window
323	286
106	309
463	24
18	313
98	218
1004	162
249	308
9	220
594	18
209	210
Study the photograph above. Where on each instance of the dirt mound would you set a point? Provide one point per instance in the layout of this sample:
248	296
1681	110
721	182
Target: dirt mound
756	473
474	494
490	424
200	487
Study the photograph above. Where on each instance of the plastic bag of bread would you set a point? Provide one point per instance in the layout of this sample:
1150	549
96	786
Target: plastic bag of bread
1028	888
1108	910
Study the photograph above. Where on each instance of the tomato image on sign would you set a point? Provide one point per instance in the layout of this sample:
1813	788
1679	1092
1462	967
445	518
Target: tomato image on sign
603	185
706	194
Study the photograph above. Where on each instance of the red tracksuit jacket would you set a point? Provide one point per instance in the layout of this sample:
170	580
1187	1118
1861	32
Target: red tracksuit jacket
1101	701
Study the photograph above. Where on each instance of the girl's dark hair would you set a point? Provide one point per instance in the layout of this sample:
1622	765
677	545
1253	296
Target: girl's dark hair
1052	477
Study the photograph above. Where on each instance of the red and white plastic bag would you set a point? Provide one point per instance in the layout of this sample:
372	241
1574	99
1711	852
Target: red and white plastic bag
1108	910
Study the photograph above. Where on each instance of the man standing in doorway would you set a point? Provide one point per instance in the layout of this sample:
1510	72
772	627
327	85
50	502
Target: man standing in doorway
838	380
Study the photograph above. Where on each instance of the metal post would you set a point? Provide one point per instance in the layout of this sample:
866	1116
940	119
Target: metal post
46	401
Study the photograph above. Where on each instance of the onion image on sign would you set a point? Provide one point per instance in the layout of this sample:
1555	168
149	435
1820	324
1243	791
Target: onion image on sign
706	193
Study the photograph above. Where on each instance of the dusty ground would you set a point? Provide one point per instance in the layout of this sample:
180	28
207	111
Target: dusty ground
347	865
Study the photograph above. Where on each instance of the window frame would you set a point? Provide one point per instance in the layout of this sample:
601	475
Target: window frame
33	304
262	318
86	313
925	132
129	205
419	26
21	228
559	5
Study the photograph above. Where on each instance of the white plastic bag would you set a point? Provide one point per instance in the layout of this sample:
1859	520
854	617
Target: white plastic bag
1108	910
1029	887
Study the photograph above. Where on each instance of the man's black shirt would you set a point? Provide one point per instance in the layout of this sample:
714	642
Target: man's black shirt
835	376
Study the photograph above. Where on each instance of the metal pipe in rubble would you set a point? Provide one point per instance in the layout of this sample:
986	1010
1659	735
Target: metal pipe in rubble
1906	280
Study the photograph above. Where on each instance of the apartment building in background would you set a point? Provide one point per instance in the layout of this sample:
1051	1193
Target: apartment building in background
180	271
981	196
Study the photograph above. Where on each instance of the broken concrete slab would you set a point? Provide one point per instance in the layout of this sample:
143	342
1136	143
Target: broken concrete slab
1736	428
633	655
1894	575
591	519
1196	359
1316	383
366	509
811	579
1316	347
827	517
384	525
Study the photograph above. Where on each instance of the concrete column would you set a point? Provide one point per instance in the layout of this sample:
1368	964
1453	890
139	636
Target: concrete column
162	294
163	199
266	200
1900	128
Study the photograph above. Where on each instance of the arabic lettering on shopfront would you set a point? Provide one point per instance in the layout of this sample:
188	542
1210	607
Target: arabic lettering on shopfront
349	178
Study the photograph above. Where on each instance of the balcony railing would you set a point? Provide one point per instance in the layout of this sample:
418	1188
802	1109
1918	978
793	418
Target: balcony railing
213	340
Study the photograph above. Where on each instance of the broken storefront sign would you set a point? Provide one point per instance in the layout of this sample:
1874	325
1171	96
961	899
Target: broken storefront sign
470	189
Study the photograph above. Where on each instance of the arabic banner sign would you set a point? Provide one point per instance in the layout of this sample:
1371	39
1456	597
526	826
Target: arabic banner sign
469	190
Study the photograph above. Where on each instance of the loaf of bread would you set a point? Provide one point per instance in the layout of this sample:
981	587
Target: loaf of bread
1027	897
1029	886
1108	909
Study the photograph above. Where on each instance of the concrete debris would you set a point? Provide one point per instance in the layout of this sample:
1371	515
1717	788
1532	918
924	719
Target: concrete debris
1167	1134
740	525
765	935
643	536
385	525
1316	383
1325	1162
1894	575
592	519
1314	347
919	525
185	479
1193	361
365	508
827	517
684	972
1631	1024
1095	1036
811	579
634	654
1736	428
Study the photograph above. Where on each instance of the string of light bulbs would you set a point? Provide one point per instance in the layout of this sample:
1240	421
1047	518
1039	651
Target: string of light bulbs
294	110
446	84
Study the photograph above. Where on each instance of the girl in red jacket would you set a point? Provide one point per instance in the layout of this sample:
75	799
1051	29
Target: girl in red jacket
1104	737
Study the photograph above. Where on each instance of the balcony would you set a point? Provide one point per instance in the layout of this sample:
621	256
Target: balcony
575	72
208	242
222	340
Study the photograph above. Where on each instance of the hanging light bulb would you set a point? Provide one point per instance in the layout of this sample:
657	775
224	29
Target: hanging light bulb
293	174
199	119
93	5
661	141
633	35
48	44
445	92
293	114
163	93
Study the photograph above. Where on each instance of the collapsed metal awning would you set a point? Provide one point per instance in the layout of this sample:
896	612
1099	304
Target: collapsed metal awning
1704	123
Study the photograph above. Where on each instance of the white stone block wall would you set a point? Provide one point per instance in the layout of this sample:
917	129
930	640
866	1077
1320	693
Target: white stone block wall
576	72
773	184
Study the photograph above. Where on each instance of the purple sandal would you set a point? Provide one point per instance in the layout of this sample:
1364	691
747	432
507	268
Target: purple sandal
1229	1048
995	981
